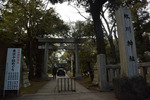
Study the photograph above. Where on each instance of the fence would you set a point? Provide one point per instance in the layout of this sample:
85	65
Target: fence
144	70
66	85
113	71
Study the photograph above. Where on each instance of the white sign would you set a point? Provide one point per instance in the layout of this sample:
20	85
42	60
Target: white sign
12	72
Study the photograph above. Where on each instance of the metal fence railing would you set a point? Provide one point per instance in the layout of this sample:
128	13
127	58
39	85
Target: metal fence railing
66	85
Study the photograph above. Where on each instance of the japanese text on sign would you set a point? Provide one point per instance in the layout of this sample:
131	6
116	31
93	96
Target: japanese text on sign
12	73
127	22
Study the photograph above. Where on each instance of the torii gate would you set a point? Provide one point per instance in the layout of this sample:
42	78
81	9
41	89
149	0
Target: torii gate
46	47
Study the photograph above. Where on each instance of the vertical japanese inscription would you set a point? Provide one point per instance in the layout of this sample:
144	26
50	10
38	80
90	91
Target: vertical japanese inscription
127	23
13	60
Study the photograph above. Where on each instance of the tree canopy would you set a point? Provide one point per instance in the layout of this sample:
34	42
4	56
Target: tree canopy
94	7
24	20
141	20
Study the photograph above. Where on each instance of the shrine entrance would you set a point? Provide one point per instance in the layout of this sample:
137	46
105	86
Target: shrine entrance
48	44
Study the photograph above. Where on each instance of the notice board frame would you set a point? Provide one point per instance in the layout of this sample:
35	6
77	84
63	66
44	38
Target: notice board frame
12	71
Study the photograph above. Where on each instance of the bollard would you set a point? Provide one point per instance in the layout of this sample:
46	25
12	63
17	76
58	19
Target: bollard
66	85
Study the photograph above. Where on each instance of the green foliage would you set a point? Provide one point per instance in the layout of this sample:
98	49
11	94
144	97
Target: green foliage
66	57
23	17
145	48
87	56
110	59
140	17
86	30
83	30
24	20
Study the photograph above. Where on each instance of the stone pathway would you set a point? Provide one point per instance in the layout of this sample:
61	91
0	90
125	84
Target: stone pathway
49	92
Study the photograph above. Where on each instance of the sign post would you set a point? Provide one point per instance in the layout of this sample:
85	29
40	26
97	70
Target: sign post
12	71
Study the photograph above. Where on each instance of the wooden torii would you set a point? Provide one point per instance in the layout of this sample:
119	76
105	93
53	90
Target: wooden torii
46	47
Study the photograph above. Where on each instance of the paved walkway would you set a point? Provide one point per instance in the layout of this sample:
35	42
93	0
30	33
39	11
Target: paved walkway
49	92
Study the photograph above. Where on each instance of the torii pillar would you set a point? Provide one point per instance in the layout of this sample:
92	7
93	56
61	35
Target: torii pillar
78	73
44	74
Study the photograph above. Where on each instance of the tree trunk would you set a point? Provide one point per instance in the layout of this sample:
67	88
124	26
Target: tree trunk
29	54
39	61
91	71
116	38
89	65
30	64
113	50
95	8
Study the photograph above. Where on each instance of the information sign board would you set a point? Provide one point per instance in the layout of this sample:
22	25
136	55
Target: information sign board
12	72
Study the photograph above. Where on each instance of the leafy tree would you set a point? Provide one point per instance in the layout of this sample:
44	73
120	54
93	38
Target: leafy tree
67	58
89	52
83	30
109	28
96	10
140	17
94	7
23	21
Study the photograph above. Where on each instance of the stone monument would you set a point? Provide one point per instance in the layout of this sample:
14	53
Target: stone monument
24	74
127	47
102	77
130	86
96	74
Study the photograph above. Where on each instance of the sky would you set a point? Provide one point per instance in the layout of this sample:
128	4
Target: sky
69	13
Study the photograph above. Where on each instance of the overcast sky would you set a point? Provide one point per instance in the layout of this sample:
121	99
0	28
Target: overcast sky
69	13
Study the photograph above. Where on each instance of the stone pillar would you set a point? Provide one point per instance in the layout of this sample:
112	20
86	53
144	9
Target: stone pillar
96	74
127	48
101	62
72	59
44	75
78	74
